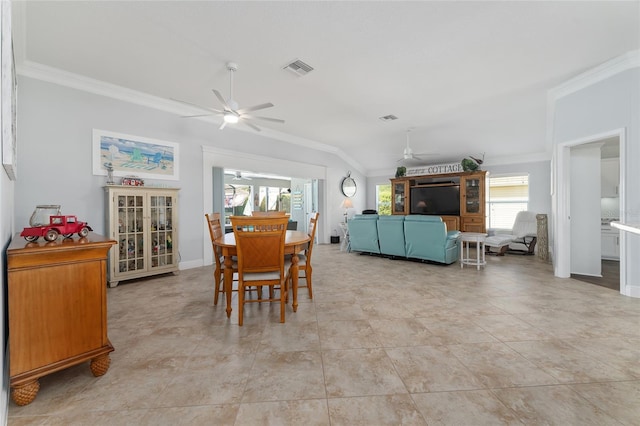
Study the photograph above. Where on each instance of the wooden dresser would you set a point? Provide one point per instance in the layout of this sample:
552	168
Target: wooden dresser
57	304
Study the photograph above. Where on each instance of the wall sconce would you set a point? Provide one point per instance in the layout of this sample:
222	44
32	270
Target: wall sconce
346	205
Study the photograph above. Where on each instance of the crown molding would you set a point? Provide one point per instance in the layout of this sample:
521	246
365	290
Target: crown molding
601	72
75	81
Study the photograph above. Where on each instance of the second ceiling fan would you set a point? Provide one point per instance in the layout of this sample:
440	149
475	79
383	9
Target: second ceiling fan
409	156
231	113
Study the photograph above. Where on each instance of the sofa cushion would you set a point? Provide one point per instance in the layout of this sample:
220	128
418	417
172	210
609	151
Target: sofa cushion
391	235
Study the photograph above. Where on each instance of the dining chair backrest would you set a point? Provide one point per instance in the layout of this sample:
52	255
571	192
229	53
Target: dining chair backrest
215	228
259	243
311	230
270	213
260	248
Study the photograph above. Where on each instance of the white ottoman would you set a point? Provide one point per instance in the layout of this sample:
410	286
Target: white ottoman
498	244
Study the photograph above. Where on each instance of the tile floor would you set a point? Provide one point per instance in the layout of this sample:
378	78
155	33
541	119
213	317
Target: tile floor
384	342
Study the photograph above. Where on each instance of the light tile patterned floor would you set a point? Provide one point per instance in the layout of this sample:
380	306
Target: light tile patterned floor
384	342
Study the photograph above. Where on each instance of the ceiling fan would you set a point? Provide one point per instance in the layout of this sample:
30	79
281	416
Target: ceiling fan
408	155
238	176
231	113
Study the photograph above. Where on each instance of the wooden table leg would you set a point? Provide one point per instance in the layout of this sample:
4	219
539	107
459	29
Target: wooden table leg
24	394
100	365
294	280
228	281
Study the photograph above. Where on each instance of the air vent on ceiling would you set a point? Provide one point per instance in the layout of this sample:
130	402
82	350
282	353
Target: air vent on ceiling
298	67
389	117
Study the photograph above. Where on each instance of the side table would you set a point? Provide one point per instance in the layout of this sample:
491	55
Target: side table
466	238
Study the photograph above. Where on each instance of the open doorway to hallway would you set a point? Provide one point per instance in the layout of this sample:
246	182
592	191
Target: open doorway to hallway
595	253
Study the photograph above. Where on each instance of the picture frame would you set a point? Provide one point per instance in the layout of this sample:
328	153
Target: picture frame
8	90
138	156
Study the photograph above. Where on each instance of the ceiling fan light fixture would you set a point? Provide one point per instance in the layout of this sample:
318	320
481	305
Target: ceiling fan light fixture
230	117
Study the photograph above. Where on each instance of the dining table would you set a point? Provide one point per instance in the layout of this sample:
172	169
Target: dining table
294	243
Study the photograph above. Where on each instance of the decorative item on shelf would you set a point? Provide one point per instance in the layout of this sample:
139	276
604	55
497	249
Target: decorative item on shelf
346	205
109	168
401	171
132	181
468	165
472	163
41	214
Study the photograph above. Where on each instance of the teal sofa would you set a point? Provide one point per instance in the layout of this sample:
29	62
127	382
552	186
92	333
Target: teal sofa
419	237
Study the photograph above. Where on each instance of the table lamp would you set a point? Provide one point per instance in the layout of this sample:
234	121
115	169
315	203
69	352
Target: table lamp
346	205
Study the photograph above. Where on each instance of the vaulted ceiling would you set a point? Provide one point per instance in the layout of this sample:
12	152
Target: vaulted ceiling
467	77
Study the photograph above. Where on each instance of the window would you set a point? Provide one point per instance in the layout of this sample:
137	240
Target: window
383	199
507	196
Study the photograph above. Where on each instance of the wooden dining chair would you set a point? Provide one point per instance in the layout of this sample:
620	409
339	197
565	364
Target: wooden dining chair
215	230
261	262
305	269
270	213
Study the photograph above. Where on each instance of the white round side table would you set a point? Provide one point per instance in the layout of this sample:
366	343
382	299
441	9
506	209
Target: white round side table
466	238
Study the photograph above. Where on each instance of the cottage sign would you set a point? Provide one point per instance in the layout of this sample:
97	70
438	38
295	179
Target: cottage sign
436	169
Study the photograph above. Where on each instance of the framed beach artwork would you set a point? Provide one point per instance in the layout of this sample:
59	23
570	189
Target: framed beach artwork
8	89
131	155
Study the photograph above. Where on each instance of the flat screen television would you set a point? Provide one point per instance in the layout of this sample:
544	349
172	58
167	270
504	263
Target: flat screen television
436	200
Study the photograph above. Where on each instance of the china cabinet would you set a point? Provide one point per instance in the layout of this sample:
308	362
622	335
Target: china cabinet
472	202
399	196
144	222
57	303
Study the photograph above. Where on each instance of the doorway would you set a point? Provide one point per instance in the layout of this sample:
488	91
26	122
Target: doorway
577	232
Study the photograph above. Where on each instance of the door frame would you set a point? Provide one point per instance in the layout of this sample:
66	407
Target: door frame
560	201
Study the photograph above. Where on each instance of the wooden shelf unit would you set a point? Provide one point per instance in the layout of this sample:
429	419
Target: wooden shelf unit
57	300
472	197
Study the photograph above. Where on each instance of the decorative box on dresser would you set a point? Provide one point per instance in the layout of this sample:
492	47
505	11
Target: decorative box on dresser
57	303
143	220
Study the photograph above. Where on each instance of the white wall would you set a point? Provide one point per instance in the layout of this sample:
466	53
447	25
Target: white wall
55	126
603	107
6	232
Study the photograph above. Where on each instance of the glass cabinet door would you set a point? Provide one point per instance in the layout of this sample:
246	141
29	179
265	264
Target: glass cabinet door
399	197
472	196
161	209
130	233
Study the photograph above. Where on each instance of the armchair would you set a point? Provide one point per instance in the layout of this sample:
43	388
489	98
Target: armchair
427	238
363	233
521	239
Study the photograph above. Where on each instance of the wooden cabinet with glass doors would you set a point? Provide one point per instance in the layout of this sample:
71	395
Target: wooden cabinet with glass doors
144	223
400	196
472	202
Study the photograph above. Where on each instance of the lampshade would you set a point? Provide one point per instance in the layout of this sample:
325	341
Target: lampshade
230	117
347	203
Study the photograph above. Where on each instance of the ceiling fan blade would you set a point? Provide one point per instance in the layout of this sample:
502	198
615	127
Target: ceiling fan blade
275	120
255	108
224	123
222	100
217	111
253	126
198	115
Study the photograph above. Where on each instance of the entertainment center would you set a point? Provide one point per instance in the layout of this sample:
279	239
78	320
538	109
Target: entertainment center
459	198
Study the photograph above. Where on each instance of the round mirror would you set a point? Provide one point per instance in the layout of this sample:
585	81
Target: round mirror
348	186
